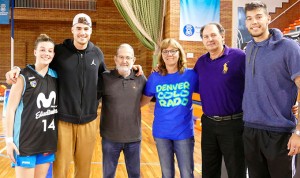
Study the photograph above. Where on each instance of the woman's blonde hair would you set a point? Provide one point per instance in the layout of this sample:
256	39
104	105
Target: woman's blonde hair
181	65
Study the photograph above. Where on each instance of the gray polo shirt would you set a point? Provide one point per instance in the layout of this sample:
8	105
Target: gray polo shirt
121	113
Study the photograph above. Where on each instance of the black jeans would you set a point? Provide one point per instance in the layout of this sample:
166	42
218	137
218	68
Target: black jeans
267	154
222	139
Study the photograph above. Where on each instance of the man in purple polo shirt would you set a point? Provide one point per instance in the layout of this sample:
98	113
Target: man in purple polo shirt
221	74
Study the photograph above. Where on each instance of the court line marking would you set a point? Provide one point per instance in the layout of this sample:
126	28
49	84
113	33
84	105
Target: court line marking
2	155
198	170
149	127
2	149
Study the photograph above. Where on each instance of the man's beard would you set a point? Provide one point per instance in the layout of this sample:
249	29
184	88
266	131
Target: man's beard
124	68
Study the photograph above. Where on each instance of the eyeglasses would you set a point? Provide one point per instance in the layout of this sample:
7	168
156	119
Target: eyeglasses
125	57
166	52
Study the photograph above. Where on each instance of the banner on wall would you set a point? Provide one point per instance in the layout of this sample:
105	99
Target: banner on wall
4	11
194	14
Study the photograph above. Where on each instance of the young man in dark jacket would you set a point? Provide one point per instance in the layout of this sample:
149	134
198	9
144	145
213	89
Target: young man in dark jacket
78	63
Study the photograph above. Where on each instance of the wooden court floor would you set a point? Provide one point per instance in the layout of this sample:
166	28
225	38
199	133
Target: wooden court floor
149	160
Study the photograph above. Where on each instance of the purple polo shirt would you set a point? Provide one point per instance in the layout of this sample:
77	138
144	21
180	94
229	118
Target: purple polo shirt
221	82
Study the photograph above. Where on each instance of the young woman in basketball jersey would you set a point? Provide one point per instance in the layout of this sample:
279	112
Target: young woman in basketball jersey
31	136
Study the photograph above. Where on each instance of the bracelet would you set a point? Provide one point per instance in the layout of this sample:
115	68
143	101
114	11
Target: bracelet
9	139
297	132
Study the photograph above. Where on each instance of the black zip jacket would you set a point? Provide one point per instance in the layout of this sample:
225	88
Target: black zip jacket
78	72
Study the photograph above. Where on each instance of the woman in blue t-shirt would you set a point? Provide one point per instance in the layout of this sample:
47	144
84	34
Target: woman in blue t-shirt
173	126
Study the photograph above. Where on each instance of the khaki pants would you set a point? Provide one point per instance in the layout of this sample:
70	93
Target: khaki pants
75	143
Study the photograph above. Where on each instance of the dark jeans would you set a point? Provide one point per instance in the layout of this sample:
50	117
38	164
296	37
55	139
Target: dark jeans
222	139
267	154
183	149
111	153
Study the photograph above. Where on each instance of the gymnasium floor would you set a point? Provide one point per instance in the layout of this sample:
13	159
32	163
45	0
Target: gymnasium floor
149	160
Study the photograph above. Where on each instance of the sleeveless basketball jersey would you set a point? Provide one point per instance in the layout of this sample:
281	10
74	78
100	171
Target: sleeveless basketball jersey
35	119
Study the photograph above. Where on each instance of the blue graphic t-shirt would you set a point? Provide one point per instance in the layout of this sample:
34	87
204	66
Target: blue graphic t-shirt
173	113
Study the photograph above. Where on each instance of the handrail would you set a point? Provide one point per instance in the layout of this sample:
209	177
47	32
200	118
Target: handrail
284	11
293	34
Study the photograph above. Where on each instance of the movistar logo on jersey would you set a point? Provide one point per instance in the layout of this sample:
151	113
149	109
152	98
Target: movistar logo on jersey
170	95
48	102
41	99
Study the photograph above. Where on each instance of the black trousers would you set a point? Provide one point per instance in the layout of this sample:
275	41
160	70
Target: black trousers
266	154
222	139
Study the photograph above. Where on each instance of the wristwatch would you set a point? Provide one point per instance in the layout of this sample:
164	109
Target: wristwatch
297	132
